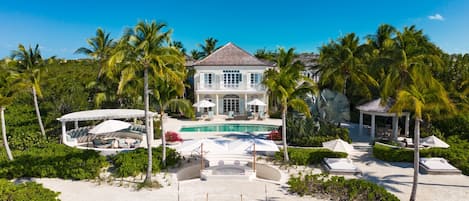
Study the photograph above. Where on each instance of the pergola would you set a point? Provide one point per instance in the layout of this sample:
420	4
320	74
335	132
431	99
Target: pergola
375	108
102	114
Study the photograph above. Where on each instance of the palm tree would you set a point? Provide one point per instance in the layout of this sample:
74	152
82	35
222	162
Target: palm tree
29	65
145	48
287	85
410	49
341	64
166	90
424	95
10	85
209	47
101	48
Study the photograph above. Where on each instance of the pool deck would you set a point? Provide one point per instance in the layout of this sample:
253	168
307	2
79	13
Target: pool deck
172	124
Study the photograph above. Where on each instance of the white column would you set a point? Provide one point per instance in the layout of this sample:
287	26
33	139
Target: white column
360	127
64	132
245	103
216	106
198	100
395	127
407	119
76	124
266	107
372	136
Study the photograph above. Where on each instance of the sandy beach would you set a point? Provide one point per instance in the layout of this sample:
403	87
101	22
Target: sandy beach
395	177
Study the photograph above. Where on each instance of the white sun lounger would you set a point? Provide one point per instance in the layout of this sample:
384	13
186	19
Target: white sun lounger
340	166
437	166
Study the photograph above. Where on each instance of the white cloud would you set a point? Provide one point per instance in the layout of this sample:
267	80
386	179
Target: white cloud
436	17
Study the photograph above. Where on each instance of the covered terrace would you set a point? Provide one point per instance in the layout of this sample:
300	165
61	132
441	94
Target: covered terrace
81	137
376	108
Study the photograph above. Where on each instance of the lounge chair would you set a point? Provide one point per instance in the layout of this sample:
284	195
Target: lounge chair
437	166
123	143
340	166
230	115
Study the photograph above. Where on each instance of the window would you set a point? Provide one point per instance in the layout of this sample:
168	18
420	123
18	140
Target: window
208	79
231	78
255	79
231	103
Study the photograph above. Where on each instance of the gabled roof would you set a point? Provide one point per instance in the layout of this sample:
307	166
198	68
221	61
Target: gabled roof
230	55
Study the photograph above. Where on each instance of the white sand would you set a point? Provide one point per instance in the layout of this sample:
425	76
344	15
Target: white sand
189	190
395	177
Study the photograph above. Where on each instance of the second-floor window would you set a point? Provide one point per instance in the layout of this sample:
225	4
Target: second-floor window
231	78
208	79
255	79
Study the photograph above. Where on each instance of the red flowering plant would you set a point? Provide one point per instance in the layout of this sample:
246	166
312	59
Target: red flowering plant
274	135
172	136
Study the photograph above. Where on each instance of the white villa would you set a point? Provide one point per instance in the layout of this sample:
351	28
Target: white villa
230	77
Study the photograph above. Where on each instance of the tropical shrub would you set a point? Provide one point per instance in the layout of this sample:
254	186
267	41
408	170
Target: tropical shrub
30	191
135	162
305	133
338	188
300	156
53	160
457	125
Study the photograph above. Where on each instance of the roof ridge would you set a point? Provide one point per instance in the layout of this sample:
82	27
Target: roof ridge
248	57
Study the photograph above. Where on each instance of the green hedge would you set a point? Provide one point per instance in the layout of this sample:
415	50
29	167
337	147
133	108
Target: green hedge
52	161
338	188
300	156
135	162
457	154
30	191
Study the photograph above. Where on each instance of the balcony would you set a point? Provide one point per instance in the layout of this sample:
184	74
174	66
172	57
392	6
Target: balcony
223	86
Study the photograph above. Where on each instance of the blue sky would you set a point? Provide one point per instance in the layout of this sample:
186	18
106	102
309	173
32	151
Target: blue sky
60	27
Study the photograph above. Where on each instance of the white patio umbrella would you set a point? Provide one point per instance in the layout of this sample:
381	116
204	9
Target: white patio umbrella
244	145
109	126
204	104
210	146
433	141
338	145
256	102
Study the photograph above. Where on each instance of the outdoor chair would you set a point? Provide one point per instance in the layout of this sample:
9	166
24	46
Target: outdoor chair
210	116
198	115
250	115
261	116
230	115
123	143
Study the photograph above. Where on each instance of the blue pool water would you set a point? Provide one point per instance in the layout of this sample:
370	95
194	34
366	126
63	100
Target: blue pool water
229	128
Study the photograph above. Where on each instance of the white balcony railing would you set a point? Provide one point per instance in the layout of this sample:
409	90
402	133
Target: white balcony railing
232	86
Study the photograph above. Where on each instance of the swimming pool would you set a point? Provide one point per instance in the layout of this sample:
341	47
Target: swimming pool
229	128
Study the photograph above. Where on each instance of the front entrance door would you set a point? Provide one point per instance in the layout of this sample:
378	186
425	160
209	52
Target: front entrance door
231	103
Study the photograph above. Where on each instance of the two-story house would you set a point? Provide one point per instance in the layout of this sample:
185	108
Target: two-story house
230	77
